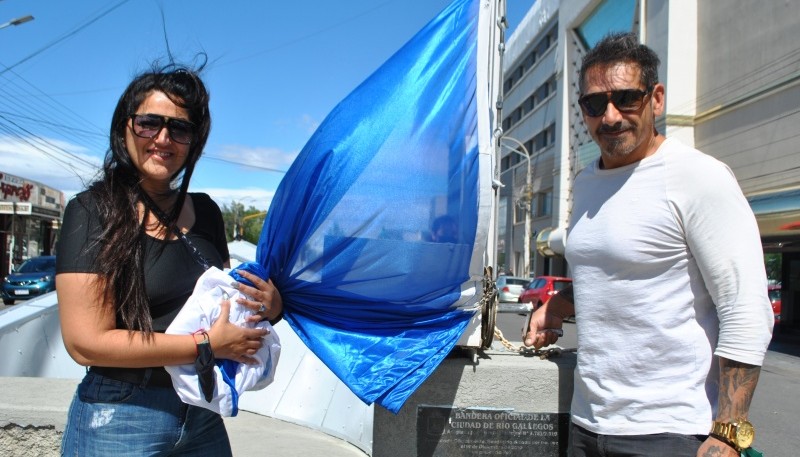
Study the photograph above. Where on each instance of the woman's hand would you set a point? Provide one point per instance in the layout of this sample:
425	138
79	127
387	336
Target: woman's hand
266	301
230	341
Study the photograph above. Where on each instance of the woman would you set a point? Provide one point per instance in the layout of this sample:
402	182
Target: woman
132	247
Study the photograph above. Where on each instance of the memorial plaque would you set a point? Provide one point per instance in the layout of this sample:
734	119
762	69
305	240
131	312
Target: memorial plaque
443	431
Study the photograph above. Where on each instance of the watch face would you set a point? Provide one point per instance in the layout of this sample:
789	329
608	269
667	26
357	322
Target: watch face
745	434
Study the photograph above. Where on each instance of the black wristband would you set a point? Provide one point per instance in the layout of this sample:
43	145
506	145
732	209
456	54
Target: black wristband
204	366
725	440
277	319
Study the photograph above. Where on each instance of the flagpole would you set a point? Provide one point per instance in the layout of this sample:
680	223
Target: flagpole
491	32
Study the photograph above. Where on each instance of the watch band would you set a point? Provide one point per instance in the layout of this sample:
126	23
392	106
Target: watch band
738	435
725	440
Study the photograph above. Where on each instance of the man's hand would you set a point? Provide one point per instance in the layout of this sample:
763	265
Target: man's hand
549	316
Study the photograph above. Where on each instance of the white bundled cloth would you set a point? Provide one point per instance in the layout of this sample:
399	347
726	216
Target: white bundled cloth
198	314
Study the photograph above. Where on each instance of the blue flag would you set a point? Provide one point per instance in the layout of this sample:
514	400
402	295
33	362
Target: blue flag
371	233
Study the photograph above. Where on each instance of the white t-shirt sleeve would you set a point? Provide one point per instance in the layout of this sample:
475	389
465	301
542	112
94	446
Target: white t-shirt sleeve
723	236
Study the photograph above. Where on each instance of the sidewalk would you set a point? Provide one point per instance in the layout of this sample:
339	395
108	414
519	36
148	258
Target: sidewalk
253	435
33	412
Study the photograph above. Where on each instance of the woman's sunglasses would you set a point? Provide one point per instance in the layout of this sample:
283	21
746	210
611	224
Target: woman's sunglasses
625	101
150	125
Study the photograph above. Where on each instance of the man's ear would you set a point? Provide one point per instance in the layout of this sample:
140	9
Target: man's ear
658	99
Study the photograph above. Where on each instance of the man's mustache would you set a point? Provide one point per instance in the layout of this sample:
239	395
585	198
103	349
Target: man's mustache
605	128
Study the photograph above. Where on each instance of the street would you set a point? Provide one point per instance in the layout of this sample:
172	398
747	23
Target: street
775	410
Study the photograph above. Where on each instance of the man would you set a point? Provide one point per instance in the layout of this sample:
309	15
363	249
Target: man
669	291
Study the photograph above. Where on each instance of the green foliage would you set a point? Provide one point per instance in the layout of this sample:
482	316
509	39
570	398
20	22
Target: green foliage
773	263
243	223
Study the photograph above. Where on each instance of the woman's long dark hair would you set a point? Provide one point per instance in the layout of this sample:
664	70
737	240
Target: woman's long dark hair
118	192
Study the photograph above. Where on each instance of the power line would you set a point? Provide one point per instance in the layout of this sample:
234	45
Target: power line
64	37
306	36
41	140
248	165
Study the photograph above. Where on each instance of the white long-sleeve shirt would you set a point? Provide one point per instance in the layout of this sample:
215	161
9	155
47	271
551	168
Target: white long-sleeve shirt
668	269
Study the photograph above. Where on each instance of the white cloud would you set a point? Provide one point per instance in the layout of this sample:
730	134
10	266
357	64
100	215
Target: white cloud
309	123
250	196
58	164
305	123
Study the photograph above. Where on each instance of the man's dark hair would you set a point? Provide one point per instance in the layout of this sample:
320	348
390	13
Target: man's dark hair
622	47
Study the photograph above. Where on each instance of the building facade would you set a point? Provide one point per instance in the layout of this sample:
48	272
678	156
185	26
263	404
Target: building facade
732	73
30	215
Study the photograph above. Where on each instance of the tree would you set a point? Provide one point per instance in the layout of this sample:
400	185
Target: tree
241	223
773	263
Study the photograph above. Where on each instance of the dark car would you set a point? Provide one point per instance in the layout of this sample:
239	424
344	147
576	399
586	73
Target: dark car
36	276
774	293
542	288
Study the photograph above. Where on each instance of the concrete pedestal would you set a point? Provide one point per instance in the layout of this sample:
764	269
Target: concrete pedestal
505	404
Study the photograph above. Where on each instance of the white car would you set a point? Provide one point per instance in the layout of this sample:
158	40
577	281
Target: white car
510	287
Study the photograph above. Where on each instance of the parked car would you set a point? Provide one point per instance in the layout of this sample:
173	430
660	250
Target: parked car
510	287
36	276
774	293
542	288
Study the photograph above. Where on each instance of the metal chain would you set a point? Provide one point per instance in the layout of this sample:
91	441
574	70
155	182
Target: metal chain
529	351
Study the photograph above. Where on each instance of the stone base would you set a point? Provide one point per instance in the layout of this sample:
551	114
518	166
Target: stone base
504	404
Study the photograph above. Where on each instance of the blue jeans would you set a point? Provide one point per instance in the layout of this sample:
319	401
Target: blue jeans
116	418
583	443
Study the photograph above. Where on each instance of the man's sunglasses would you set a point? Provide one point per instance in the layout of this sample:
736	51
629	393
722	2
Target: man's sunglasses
150	125
625	101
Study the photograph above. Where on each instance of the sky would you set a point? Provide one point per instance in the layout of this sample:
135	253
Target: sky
274	70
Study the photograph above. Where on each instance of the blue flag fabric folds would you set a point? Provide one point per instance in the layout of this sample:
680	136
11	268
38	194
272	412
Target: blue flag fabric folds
370	235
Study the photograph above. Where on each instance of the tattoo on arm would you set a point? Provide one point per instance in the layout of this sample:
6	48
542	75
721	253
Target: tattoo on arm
716	451
737	383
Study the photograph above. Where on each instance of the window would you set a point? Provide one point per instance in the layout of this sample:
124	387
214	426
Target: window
515	74
543	203
519	212
609	16
502	217
545	138
544	91
530	103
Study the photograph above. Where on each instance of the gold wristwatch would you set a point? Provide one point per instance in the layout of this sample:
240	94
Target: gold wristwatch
739	434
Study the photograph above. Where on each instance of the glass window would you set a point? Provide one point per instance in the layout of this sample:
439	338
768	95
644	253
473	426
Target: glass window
508	84
537	283
502	217
519	213
560	285
543	203
545	138
516	281
609	16
547	203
